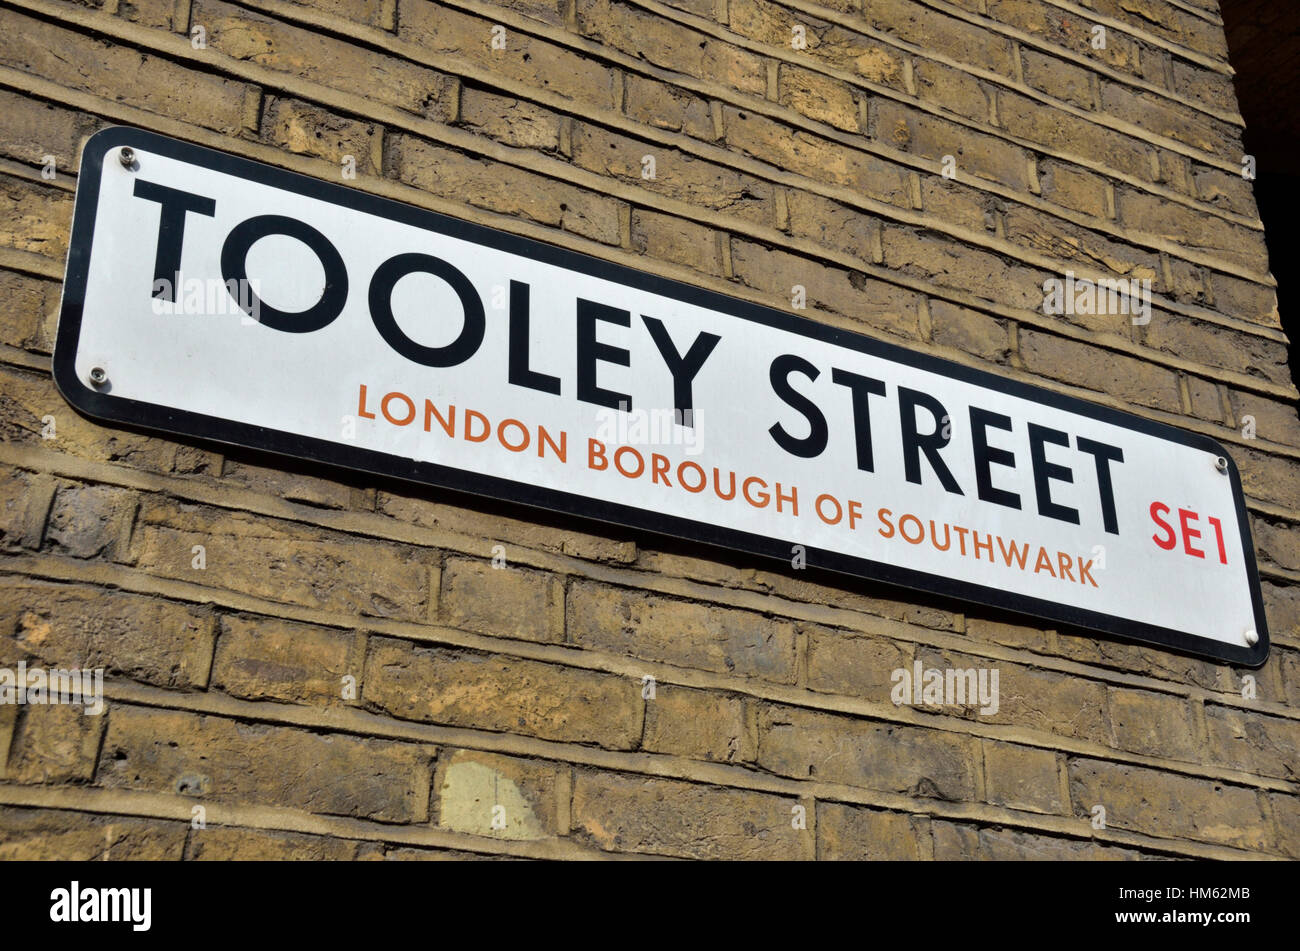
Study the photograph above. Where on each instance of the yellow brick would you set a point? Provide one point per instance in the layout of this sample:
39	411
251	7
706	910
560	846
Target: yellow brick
34	217
30	311
504	189
304	129
58	835
477	691
698	724
281	561
890	757
680	632
536	63
55	743
1168	805
665	238
641	34
851	833
933	29
251	37
931	137
228	843
512	121
267	659
677	175
627	813
819	158
1023	777
502	602
120	74
151	640
502	797
203	757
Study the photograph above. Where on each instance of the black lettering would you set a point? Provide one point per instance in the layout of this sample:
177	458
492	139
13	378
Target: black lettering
862	388
520	374
1103	455
684	369
914	443
986	456
234	267
171	231
471	333
814	443
591	352
1045	472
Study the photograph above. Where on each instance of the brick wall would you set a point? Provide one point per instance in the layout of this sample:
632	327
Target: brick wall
523	688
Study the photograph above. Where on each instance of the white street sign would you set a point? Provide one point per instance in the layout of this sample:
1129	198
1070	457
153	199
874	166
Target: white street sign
217	298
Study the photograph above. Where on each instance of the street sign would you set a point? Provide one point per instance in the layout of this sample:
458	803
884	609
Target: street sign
213	297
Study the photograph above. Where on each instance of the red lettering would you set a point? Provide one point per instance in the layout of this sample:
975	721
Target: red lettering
519	446
1043	562
410	409
1020	554
544	439
920	529
1085	575
1218	533
689	466
792	498
470	416
763	497
361	404
839	512
1169	543
620	452
1184	516
659	467
448	425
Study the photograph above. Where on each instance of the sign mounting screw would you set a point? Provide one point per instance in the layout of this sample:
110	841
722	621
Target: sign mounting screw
97	376
1221	464
1252	637
127	157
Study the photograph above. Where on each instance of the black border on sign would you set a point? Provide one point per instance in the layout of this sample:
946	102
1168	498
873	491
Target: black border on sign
121	410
